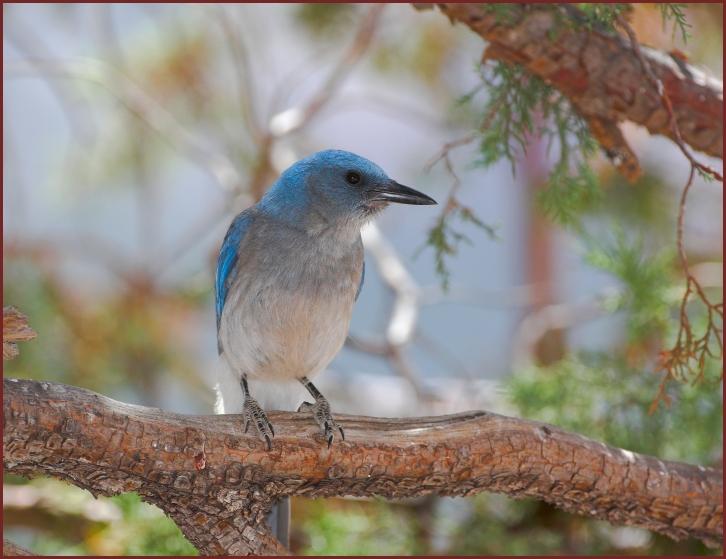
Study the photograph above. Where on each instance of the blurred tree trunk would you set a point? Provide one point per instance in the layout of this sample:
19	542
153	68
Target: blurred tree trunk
539	252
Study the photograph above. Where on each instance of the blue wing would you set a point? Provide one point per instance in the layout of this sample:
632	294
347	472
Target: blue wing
226	263
362	279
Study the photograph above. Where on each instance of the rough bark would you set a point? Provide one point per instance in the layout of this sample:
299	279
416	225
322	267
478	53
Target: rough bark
15	329
10	549
602	76
217	483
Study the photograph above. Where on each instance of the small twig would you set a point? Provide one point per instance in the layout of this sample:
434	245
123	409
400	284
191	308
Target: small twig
444	155
145	107
295	118
445	152
678	362
403	318
452	203
35	51
242	68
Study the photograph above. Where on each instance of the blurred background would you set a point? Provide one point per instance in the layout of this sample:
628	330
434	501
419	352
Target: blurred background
134	133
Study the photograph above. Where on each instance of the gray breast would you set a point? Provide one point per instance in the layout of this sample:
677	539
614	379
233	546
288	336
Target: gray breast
289	308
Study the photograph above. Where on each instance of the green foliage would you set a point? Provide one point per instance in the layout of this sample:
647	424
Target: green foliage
325	20
337	527
83	525
515	100
646	205
675	13
487	531
521	106
593	15
603	16
505	14
423	53
148	530
649	284
128	343
502	526
446	240
568	193
600	395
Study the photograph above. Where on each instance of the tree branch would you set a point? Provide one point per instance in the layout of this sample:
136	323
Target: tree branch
602	75
15	329
12	550
217	483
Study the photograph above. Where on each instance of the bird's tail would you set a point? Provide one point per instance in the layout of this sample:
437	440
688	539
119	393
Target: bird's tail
229	399
279	521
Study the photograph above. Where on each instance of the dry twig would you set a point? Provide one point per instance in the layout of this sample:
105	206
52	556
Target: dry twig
687	358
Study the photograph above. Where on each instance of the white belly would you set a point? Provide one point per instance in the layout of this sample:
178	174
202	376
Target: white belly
288	312
282	334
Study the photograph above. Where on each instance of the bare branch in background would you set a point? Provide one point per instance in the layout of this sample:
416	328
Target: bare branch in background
293	119
245	83
402	321
405	310
44	251
220	504
34	50
148	109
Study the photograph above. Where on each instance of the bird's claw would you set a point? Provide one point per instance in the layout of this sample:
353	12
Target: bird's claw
321	413
253	413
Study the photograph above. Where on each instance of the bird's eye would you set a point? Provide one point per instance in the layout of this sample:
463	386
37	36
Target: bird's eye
352	177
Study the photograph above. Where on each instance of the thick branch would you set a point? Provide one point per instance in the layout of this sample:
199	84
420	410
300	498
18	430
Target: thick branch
602	76
217	483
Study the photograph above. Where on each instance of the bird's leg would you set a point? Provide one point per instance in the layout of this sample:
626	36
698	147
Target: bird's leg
253	413
321	411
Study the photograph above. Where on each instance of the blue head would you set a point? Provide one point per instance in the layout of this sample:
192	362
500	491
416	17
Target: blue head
336	185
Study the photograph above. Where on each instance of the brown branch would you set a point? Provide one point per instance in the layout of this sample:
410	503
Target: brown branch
689	354
12	550
15	329
217	483
602	75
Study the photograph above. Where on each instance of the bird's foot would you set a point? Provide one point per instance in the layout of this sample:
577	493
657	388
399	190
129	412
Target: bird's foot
321	413
254	414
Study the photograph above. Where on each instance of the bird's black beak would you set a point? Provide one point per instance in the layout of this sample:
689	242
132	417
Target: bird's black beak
394	192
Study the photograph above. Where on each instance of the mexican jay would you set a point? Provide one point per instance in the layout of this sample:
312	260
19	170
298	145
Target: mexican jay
289	272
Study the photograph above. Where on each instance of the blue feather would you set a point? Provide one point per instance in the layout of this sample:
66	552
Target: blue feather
228	256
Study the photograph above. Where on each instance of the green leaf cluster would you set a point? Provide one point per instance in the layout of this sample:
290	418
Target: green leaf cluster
675	14
521	106
446	240
649	284
76	523
602	396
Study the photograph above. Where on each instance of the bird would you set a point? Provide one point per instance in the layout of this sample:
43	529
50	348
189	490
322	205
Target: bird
289	271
